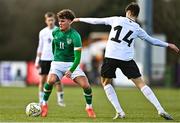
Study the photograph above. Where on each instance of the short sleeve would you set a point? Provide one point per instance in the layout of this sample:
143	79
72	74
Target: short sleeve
77	41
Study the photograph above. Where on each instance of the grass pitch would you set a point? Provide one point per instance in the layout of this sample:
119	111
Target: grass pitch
14	100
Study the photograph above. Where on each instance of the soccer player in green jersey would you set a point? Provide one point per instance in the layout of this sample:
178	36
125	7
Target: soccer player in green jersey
67	47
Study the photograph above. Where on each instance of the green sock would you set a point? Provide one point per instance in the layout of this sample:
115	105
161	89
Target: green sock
88	95
47	91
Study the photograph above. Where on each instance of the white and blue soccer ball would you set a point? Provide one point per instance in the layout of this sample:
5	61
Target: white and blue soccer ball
33	110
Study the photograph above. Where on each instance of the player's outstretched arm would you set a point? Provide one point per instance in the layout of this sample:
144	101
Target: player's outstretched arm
106	21
144	36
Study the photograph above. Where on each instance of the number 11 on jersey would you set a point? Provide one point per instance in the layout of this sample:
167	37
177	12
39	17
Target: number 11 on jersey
61	45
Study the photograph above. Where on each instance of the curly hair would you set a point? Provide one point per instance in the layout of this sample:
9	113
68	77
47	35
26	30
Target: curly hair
66	14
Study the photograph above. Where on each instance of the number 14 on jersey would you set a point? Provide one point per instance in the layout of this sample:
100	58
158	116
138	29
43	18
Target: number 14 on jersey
125	38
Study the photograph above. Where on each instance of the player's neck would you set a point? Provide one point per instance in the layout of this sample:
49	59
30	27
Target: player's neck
50	27
131	18
66	29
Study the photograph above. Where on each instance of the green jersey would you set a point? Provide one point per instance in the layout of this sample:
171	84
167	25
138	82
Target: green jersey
64	44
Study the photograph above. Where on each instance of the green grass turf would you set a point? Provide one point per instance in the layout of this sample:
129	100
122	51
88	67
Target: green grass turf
14	100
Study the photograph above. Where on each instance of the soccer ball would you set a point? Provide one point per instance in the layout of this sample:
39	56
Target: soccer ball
33	109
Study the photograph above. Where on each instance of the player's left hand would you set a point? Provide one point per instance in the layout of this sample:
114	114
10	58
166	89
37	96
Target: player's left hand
68	74
173	47
75	20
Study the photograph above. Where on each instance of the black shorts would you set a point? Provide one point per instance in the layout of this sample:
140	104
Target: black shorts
44	67
128	68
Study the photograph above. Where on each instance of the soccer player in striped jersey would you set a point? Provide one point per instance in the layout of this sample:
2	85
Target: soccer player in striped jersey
67	48
45	56
120	52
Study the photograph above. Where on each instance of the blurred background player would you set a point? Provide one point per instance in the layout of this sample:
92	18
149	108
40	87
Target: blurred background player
120	52
45	56
67	47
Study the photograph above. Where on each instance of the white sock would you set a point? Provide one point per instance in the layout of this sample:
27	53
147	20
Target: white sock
111	95
41	94
148	93
88	106
60	96
44	102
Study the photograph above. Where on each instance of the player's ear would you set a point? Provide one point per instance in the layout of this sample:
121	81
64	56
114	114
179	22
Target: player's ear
129	13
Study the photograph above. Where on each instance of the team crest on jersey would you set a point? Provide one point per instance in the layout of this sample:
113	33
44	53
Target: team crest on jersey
69	40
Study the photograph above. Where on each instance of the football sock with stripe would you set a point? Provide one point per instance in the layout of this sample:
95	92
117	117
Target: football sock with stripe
111	95
88	97
148	93
47	91
60	96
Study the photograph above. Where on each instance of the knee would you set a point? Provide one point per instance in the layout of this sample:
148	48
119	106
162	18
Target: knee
139	82
40	83
58	83
86	85
43	79
105	81
140	85
52	80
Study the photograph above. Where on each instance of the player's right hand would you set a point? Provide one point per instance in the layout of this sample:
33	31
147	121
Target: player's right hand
173	47
68	74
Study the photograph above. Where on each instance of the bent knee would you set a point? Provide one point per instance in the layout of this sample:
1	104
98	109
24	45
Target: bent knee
139	82
52	79
85	85
105	81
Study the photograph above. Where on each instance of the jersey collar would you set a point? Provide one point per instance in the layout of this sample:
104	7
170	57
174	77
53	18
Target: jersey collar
66	31
131	19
